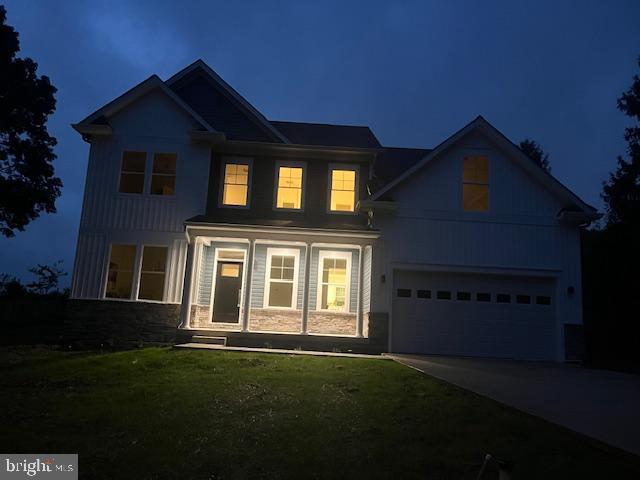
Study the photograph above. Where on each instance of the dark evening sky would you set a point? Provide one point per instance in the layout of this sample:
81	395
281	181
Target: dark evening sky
415	72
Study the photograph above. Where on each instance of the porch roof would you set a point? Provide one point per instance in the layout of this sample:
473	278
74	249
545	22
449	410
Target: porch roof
337	224
196	227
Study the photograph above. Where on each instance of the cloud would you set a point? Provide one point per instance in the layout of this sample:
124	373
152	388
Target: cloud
138	40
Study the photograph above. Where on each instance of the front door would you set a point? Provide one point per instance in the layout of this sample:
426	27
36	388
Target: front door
226	300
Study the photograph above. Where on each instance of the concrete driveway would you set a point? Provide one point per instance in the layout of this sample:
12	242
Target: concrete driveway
598	403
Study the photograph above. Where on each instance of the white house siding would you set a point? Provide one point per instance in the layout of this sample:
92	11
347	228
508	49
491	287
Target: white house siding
152	124
521	230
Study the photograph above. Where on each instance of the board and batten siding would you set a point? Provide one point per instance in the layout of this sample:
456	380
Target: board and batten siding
153	124
92	260
520	232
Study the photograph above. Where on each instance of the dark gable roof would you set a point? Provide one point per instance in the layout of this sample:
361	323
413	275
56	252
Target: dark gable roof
392	161
218	108
327	135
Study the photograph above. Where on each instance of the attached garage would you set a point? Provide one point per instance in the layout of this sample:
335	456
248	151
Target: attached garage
472	314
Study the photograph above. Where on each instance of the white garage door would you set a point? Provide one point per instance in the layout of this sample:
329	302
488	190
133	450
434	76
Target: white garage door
474	315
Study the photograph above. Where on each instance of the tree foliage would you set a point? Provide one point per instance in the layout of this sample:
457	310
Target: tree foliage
621	192
535	152
28	185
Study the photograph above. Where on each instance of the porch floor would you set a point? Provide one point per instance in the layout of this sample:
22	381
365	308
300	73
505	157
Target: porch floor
284	341
207	346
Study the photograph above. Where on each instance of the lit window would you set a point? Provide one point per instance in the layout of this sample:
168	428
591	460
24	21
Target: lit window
120	276
343	190
475	184
289	187
236	181
163	177
132	173
154	262
281	285
333	295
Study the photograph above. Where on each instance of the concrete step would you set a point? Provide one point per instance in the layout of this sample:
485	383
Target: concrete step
209	340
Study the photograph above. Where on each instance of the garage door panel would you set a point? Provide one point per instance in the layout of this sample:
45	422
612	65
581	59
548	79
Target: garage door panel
462	325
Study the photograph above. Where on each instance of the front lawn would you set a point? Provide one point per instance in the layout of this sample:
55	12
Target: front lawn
187	414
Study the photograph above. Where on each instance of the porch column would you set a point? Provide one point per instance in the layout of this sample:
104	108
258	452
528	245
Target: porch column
185	309
360	295
247	288
305	295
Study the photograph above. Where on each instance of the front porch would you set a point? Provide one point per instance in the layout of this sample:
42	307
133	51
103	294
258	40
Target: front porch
274	284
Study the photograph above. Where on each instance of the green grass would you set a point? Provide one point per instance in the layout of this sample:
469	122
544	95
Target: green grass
165	413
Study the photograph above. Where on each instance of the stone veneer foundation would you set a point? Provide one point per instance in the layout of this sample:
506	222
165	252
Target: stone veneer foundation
332	323
275	320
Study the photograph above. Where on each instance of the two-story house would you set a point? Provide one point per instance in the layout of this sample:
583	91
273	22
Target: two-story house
203	218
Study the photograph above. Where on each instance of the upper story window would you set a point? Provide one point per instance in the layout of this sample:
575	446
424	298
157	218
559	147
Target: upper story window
289	193
343	190
132	172
475	183
236	184
163	176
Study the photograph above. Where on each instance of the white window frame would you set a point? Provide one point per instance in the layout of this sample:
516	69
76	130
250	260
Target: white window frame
322	255
175	174
237	161
140	258
145	187
343	166
463	183
135	280
137	273
290	252
293	164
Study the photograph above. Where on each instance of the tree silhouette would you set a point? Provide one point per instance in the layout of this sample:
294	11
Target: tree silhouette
621	192
534	151
28	185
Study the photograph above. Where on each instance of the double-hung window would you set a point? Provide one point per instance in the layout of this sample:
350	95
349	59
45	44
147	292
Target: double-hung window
120	274
289	192
163	176
152	274
132	172
281	282
475	183
343	190
333	285
125	266
235	189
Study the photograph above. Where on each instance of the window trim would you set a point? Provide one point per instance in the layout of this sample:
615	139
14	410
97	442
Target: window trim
290	252
166	271
135	273
477	153
175	175
145	187
343	166
276	179
237	161
322	255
